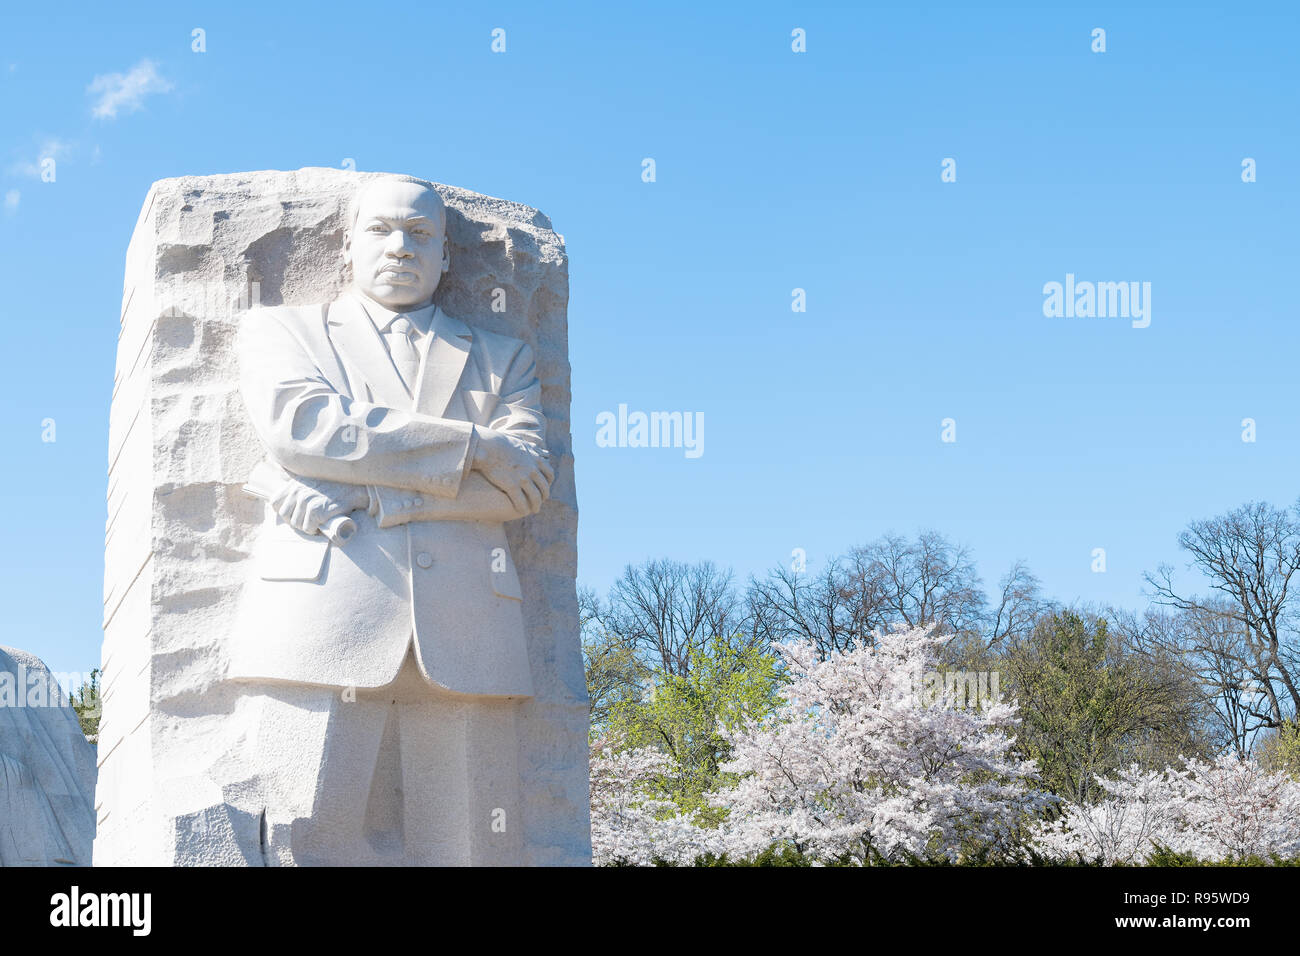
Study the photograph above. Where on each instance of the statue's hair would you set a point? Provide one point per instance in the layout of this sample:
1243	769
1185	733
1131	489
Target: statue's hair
354	208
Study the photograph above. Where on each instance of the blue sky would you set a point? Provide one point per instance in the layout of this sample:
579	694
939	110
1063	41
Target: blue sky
775	170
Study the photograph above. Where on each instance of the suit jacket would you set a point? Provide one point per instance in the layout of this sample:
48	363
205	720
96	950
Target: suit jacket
327	402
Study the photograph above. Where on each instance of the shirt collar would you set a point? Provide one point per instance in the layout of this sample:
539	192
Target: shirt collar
384	317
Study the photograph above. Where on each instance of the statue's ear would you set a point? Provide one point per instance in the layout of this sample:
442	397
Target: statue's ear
346	251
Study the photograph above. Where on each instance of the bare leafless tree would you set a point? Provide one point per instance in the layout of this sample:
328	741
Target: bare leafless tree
668	610
614	673
1213	650
1245	635
892	582
825	609
1020	606
926	581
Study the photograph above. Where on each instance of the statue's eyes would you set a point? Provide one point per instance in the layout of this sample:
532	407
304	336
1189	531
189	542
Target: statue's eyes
377	227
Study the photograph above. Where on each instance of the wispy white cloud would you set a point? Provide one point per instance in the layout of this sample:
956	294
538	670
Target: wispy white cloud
12	198
125	92
50	148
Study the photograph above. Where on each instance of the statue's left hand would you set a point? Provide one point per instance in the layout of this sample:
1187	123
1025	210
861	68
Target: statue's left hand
307	503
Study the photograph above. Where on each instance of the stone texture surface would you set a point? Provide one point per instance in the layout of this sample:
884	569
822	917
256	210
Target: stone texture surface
47	769
180	526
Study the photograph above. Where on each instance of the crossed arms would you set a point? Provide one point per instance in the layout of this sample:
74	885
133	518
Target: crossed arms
339	454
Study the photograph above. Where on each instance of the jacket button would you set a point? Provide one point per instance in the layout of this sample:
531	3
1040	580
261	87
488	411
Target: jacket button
418	502
424	559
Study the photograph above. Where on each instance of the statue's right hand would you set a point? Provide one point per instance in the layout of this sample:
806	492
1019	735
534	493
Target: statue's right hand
519	469
308	505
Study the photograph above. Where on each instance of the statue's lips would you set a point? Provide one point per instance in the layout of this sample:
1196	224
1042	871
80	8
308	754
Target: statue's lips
399	274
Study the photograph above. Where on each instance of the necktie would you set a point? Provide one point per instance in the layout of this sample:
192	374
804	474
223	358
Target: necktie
401	345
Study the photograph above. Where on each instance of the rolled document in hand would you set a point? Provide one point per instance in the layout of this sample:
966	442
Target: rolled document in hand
266	481
338	529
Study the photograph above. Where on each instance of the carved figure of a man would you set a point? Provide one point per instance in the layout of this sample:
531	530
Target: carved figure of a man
389	662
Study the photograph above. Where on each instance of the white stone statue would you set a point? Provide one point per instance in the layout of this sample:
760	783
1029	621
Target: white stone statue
406	640
341	622
47	769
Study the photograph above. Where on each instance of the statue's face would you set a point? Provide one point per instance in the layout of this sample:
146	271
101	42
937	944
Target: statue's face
397	247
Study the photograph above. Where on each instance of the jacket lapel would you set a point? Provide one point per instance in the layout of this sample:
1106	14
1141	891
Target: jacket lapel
361	349
440	374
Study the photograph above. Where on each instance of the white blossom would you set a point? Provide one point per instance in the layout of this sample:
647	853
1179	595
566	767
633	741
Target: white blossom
631	823
1228	809
860	757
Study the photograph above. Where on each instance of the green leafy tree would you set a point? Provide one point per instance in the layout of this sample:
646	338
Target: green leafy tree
680	714
85	701
1279	750
1089	706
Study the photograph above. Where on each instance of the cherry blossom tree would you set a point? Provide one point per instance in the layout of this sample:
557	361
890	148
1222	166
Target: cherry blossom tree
631	823
1141	809
1235	808
867	760
1229	809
